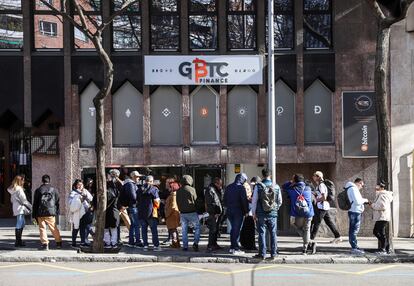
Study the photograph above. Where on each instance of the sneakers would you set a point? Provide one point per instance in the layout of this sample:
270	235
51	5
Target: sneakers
271	258
304	251
195	247
336	240
259	257
44	247
231	250
357	251
139	245
145	248
157	248
238	252
107	246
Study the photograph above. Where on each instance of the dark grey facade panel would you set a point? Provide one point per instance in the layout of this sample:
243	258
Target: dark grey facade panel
319	66
285	114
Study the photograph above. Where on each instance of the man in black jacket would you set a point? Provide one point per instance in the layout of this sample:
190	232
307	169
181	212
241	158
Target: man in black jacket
45	209
214	209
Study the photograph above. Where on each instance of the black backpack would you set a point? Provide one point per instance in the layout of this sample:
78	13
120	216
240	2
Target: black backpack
331	192
343	200
267	198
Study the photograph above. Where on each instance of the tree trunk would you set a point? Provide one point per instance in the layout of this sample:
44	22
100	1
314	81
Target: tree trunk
98	101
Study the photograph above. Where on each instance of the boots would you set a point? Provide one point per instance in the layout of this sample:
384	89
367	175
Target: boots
18	234
74	235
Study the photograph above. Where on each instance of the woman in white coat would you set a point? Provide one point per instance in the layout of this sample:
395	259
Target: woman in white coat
21	207
79	202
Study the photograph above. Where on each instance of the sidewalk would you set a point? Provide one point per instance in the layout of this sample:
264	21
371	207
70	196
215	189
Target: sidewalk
289	251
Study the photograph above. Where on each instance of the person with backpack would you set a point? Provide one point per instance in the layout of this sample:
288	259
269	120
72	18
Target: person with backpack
322	211
235	200
186	198
214	210
300	207
267	198
45	209
355	212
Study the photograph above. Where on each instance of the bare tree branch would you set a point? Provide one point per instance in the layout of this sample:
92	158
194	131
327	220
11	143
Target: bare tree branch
83	19
316	33
377	9
124	7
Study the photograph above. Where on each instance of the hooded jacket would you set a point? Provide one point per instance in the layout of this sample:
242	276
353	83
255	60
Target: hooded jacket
212	199
128	194
147	197
18	199
235	198
382	206
186	195
79	202
354	196
46	201
294	189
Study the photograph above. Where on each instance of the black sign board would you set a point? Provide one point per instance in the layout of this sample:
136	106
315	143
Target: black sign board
359	134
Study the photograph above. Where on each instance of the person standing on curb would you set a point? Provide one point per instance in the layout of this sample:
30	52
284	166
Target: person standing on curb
355	212
21	207
112	211
235	200
45	209
186	198
214	209
301	207
148	204
322	211
172	213
382	215
267	198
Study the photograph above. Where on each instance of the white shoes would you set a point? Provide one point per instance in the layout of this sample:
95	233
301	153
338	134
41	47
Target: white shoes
336	240
357	251
157	248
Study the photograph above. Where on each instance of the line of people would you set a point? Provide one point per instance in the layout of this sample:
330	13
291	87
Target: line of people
249	207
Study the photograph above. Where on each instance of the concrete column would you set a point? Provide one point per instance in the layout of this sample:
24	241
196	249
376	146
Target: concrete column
184	33
27	63
222	22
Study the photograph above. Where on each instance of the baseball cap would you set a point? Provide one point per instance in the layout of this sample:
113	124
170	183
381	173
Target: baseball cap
319	174
135	174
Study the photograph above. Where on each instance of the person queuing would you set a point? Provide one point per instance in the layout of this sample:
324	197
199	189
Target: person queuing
301	207
267	198
214	210
355	212
86	226
186	199
113	187
172	213
79	203
45	209
163	206
248	230
235	200
148	204
21	207
382	215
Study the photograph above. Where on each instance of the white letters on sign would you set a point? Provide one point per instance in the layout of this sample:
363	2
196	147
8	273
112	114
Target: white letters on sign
317	109
92	111
279	110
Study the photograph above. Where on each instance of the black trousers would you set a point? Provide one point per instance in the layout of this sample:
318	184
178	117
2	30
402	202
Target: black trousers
212	234
316	222
381	230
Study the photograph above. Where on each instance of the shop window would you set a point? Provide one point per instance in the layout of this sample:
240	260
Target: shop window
283	25
204	116
127	120
48	26
317	24
318	114
165	25
285	114
88	116
203	24
241	24
126	29
11	24
242	116
166	117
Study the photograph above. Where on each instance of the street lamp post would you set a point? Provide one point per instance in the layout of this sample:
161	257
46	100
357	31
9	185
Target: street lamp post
271	92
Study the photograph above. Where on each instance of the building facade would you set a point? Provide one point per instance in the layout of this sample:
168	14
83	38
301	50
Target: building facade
324	52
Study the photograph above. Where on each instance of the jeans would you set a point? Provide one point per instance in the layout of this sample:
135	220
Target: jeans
110	236
316	222
85	226
186	219
152	223
303	225
20	221
212	234
236	221
381	229
269	223
134	230
354	225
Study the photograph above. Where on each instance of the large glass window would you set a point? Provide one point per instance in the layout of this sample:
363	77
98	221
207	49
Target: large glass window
317	24
203	24
283	24
127	27
88	116
92	12
48	26
204	116
285	114
318	114
127	119
242	116
165	25
241	24
166	117
11	24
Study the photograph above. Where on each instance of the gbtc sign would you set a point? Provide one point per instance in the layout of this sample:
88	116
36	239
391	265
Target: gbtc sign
204	72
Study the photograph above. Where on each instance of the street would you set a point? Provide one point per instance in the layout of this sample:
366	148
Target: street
63	274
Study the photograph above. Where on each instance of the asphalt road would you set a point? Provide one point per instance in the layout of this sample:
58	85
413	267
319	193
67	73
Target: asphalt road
180	274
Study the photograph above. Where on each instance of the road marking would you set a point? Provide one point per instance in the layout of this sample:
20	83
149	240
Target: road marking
122	268
375	269
63	268
15	265
318	269
197	269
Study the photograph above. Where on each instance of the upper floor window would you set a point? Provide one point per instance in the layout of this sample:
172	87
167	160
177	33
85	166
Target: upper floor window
203	24
126	29
165	25
283	24
48	26
11	24
92	12
241	24
317	24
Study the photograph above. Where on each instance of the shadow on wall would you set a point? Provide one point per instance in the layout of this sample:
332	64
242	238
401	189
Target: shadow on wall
405	193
